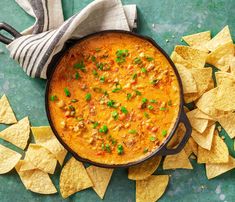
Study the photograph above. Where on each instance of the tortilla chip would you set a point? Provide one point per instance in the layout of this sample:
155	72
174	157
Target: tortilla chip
222	76
36	180
196	57
225	97
7	115
44	136
206	103
175	161
100	178
152	188
177	137
216	169
232	66
145	169
211	84
188	82
41	158
73	178
200	115
190	147
204	140
221	57
227	121
177	59
8	159
218	153
198	40
17	134
220	39
199	125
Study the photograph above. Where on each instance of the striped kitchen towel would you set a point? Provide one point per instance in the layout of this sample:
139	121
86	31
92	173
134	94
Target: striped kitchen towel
39	43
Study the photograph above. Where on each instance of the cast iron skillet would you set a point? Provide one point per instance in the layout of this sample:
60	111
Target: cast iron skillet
162	149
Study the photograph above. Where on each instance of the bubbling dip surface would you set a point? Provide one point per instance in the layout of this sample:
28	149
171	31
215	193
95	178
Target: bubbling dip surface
114	98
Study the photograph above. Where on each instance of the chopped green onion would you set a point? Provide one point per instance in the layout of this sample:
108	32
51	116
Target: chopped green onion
120	149
77	76
95	125
116	90
124	110
98	49
121	56
138	92
94	72
149	58
103	147
100	66
103	129
154	81
144	70
113	141
74	100
102	79
132	131
153	101
107	148
67	92
93	58
137	61
53	98
128	95
144	100
150	107
80	66
162	108
115	115
71	107
111	103
164	133
145	150
152	138
146	115
88	97
134	76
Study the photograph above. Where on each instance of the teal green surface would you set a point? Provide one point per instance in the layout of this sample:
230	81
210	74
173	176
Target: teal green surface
160	19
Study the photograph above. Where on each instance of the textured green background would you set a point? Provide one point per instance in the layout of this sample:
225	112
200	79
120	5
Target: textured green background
159	19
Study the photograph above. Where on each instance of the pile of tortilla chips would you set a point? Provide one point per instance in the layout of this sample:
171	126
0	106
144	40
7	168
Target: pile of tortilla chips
213	103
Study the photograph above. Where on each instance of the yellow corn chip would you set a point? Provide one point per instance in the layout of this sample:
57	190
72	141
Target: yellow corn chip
8	159
7	115
204	140
188	82
196	57
225	96
216	169
41	158
222	76
190	147
17	134
73	178
198	40
36	180
177	137
199	125
44	136
217	154
175	161
227	121
145	169
177	59
221	57
152	188
220	39
211	84
200	115
100	178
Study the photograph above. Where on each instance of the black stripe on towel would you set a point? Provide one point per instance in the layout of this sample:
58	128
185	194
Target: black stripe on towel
39	12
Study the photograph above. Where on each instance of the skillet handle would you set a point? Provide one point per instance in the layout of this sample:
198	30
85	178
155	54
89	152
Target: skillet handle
9	29
183	119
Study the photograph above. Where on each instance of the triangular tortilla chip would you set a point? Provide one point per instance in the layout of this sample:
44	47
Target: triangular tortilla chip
199	125
7	115
145	169
220	39
152	188
17	134
36	180
188	82
41	158
176	161
221	57
177	137
196	57
190	147
204	140
100	178
200	115
198	40
227	121
222	76
177	59
44	136
217	154
216	169
8	159
73	178
225	97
